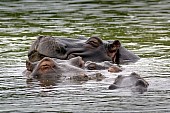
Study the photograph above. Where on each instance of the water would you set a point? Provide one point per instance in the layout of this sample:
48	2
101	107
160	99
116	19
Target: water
142	27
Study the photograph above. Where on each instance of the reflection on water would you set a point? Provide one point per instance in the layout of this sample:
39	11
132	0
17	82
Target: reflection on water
142	26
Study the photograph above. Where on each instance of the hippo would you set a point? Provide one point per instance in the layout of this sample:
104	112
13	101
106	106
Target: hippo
90	49
52	70
133	81
106	65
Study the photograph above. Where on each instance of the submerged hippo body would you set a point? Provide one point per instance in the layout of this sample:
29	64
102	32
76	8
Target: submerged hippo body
92	49
51	70
133	81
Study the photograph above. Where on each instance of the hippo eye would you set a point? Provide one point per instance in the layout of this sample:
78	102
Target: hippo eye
46	67
93	43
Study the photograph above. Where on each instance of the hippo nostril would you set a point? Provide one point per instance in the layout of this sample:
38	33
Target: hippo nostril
91	66
85	76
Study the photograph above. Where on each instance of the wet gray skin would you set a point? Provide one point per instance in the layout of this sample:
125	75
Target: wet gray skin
133	81
49	71
90	49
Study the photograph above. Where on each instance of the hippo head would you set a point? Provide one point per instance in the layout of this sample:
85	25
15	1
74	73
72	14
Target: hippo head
52	66
92	49
133	81
43	68
50	71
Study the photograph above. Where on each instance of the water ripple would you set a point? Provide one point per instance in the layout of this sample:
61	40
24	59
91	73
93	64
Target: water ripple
142	27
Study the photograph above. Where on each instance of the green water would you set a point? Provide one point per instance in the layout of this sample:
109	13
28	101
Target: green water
142	26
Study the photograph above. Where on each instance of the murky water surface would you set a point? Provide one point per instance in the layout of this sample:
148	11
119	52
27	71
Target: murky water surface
142	26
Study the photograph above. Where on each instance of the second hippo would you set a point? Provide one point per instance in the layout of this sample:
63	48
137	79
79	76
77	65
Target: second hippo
49	70
133	81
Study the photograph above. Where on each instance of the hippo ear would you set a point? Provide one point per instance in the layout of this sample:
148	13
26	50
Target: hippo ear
29	65
114	46
116	43
140	82
113	49
77	61
94	41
